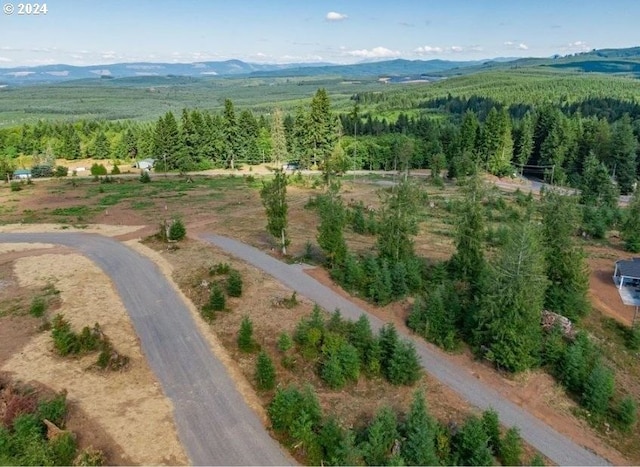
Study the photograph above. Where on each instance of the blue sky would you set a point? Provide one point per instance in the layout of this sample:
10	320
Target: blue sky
87	32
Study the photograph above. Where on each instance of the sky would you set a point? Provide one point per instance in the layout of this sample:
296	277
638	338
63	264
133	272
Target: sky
91	32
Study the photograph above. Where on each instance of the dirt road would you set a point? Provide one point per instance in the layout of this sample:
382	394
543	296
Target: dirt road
214	424
554	445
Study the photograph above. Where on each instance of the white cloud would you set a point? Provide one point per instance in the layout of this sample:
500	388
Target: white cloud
579	46
335	16
509	43
456	49
376	52
5	59
58	73
523	46
428	50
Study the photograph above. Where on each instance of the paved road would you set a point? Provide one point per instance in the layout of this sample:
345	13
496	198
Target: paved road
214	424
557	447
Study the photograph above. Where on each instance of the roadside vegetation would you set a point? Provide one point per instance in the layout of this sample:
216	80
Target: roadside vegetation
32	429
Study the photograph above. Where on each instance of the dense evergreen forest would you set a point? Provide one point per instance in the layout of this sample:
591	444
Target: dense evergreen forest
555	140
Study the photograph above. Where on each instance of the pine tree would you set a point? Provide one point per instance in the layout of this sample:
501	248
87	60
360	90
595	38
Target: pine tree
510	311
231	134
524	143
491	425
598	390
630	231
245	335
323	132
627	412
265	372
398	223
624	146
566	266
511	447
469	130
279	152
380	437
101	146
217	300
333	219
234	284
274	199
419	433
472	444
167	144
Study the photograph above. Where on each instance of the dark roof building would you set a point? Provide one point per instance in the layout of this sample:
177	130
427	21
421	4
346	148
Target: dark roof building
628	269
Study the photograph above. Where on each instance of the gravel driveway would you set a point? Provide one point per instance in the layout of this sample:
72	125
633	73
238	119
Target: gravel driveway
552	444
214	424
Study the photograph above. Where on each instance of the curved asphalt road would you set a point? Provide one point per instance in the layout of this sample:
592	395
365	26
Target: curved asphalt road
554	445
214	424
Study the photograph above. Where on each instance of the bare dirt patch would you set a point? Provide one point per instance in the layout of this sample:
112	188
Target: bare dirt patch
128	406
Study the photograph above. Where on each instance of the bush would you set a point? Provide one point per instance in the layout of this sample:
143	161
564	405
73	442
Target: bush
511	447
265	372
145	177
491	425
627	413
38	307
217	300
54	410
234	284
245	335
598	390
64	448
471	444
284	342
219	268
115	170
177	230
60	171
41	171
16	186
98	169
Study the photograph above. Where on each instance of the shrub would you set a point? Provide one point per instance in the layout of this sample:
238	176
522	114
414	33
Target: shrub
115	170
54	409
64	339
284	342
265	372
288	405
471	444
16	186
98	169
491	425
38	307
511	447
627	413
380	437
64	448
217	300
177	230
598	390
234	284
41	171
219	268
60	171
90	456
145	177
245	335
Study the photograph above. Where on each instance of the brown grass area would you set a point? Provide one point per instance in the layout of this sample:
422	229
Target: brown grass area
128	406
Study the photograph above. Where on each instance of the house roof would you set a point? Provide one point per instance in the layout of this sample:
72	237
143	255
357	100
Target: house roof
22	172
629	267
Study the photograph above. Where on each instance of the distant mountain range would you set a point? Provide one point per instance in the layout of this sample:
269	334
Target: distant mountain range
604	60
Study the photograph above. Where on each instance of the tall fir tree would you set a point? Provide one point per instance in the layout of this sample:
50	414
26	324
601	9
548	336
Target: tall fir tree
333	218
231	134
419	433
274	199
279	151
511	308
624	147
566	265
